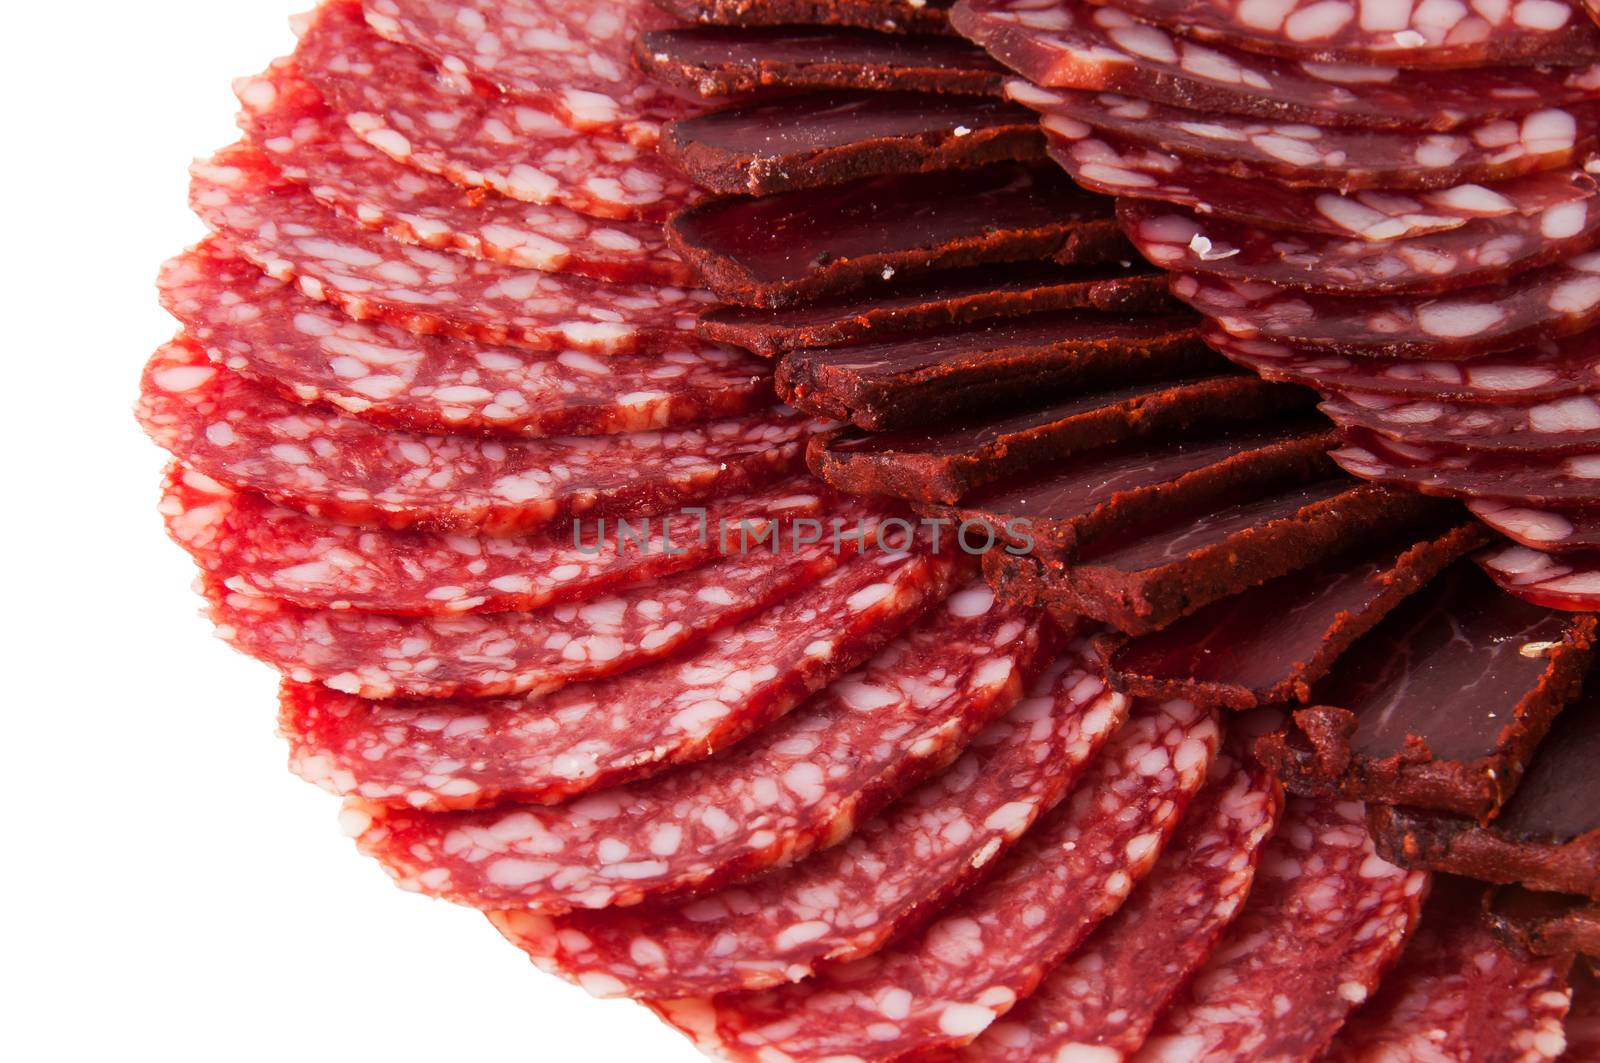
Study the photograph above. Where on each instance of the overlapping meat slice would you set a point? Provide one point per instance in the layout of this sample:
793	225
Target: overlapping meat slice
1544	428
1570	580
885	16
1546	924
1556	480
1544	529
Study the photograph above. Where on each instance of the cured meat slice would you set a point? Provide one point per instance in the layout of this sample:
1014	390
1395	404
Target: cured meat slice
719	61
941	464
1102	1001
1557	480
1480	251
424	114
1067	44
779	145
1583	1021
544	749
1459	993
846	903
885	16
309	143
937	300
1556	301
777	250
1547	837
1271	643
1558	427
257	546
941	987
1546	924
1571	581
334	466
1442	705
835	761
929	378
266	330
1325	918
281	227
1558	530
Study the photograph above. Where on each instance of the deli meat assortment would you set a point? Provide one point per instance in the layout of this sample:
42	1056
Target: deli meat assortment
1005	530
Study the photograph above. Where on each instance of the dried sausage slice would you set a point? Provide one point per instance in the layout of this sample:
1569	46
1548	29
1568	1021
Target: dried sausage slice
1568	479
1556	529
1558	427
885	16
1566	581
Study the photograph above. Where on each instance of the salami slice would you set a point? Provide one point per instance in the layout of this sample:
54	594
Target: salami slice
719	61
846	903
257	546
1100	1004
1569	581
814	139
885	16
831	763
1452	722
266	330
1068	44
1325	919
941	987
282	228
1558	427
1544	529
1480	251
1583	1021
1558	480
286	118
1545	924
1556	301
777	250
424	114
333	466
460	754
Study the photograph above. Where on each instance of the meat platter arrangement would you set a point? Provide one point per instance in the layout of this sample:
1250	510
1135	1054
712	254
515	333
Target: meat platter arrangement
1021	530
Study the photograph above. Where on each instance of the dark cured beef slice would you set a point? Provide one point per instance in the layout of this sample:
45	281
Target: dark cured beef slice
942	464
938	300
806	141
717	61
1565	581
1271	643
1572	479
1559	427
1442	705
933	377
1553	529
885	16
1546	924
778	250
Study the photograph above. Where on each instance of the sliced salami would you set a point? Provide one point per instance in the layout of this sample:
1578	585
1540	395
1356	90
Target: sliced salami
1560	530
423	114
1561	480
1325	919
268	331
330	465
941	987
311	144
831	763
1557	427
885	16
461	754
1565	581
1583	1021
846	903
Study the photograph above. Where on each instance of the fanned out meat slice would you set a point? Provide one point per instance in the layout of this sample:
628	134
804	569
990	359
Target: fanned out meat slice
1555	481
1543	428
1563	581
1545	924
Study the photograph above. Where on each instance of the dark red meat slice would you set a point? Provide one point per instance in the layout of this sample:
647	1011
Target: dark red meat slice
941	987
778	250
885	16
1558	480
1554	529
281	227
927	378
460	754
847	902
804	141
719	61
941	464
1324	921
330	465
1556	301
1546	924
836	760
1558	427
286	118
268	331
1583	1021
1568	581
1442	705
1271	643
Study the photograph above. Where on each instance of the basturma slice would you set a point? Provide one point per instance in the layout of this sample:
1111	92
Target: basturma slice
1271	643
941	464
847	902
537	749
885	16
1559	480
1568	581
793	142
1555	529
806	781
1546	924
773	251
1324	920
331	465
942	986
1442	705
1553	428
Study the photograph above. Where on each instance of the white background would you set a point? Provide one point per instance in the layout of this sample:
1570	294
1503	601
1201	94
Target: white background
169	890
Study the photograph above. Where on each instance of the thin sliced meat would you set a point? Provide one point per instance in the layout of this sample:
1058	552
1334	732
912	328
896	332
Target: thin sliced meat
281	227
941	987
799	785
1326	918
1544	924
846	903
311	144
461	754
1562	581
1549	529
1556	427
1560	480
331	465
1583	1021
885	16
